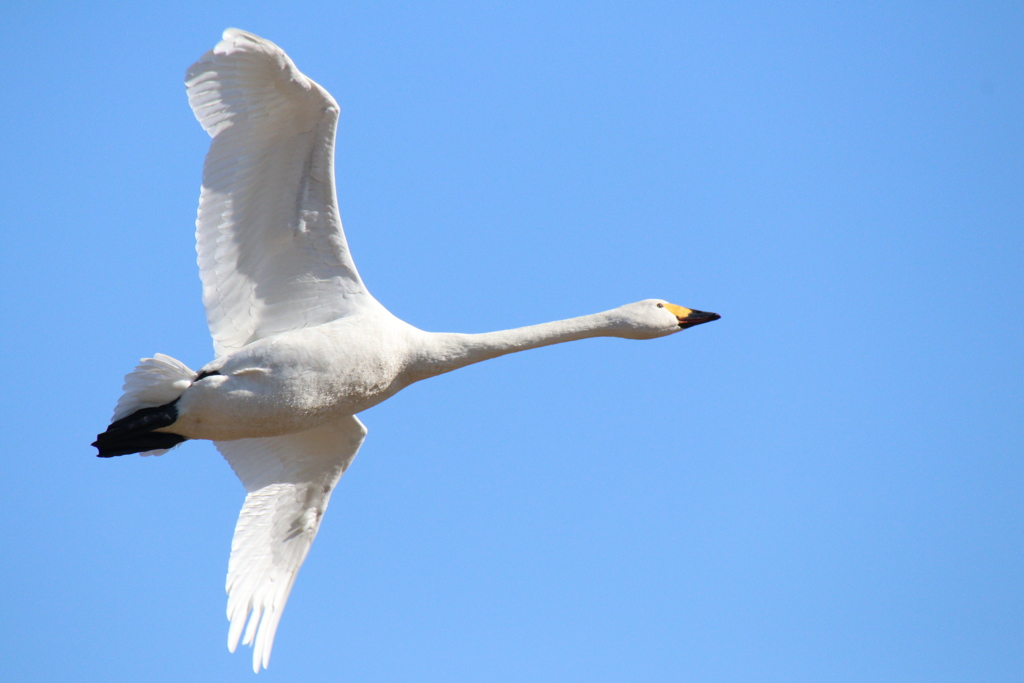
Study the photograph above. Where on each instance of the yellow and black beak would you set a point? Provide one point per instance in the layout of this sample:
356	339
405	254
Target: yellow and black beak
688	317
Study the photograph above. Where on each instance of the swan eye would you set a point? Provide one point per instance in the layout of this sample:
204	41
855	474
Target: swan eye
661	305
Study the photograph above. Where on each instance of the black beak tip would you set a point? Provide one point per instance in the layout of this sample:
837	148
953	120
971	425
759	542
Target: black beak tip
697	318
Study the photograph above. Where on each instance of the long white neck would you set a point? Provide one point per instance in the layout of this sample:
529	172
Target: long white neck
443	352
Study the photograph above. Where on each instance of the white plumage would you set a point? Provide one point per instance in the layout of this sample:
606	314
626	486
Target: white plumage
300	344
272	255
288	480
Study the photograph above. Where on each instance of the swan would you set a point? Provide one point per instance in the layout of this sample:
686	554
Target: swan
300	345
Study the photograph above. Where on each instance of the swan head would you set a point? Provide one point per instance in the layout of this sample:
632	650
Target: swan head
653	318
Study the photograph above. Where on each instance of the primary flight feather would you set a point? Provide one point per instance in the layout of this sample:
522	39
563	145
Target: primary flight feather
301	346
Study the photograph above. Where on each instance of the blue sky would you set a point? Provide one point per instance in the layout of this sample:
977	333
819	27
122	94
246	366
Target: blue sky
824	485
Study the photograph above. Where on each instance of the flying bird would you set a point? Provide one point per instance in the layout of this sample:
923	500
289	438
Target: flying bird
301	346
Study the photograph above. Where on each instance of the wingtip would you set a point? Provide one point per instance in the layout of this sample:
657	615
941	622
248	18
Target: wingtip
235	39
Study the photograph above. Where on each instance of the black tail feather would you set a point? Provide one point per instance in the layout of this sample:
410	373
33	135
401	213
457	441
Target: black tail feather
134	434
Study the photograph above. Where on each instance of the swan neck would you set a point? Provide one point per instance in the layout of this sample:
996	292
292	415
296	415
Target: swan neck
445	352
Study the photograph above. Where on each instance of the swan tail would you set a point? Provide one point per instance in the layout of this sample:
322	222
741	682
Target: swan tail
148	403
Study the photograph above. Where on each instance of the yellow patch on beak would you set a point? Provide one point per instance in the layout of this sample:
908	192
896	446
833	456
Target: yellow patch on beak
678	311
688	317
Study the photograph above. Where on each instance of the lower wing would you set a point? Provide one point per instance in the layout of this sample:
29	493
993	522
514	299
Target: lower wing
289	480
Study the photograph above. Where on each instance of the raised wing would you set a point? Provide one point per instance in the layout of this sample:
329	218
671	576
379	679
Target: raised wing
272	254
289	480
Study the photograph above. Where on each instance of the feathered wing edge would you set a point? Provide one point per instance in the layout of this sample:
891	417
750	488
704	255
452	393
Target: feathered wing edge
289	480
271	250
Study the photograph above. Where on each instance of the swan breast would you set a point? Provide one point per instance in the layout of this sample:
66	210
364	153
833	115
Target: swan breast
295	381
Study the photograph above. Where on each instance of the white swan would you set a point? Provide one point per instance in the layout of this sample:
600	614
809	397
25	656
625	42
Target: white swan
301	345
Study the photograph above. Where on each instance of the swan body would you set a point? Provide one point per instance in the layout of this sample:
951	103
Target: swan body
297	380
301	346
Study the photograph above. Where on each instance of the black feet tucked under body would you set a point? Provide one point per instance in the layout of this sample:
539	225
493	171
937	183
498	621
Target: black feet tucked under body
134	434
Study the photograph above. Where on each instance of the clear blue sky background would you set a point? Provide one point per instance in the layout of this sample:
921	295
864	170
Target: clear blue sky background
825	485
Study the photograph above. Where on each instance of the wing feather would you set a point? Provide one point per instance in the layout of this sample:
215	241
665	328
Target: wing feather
271	251
288	480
